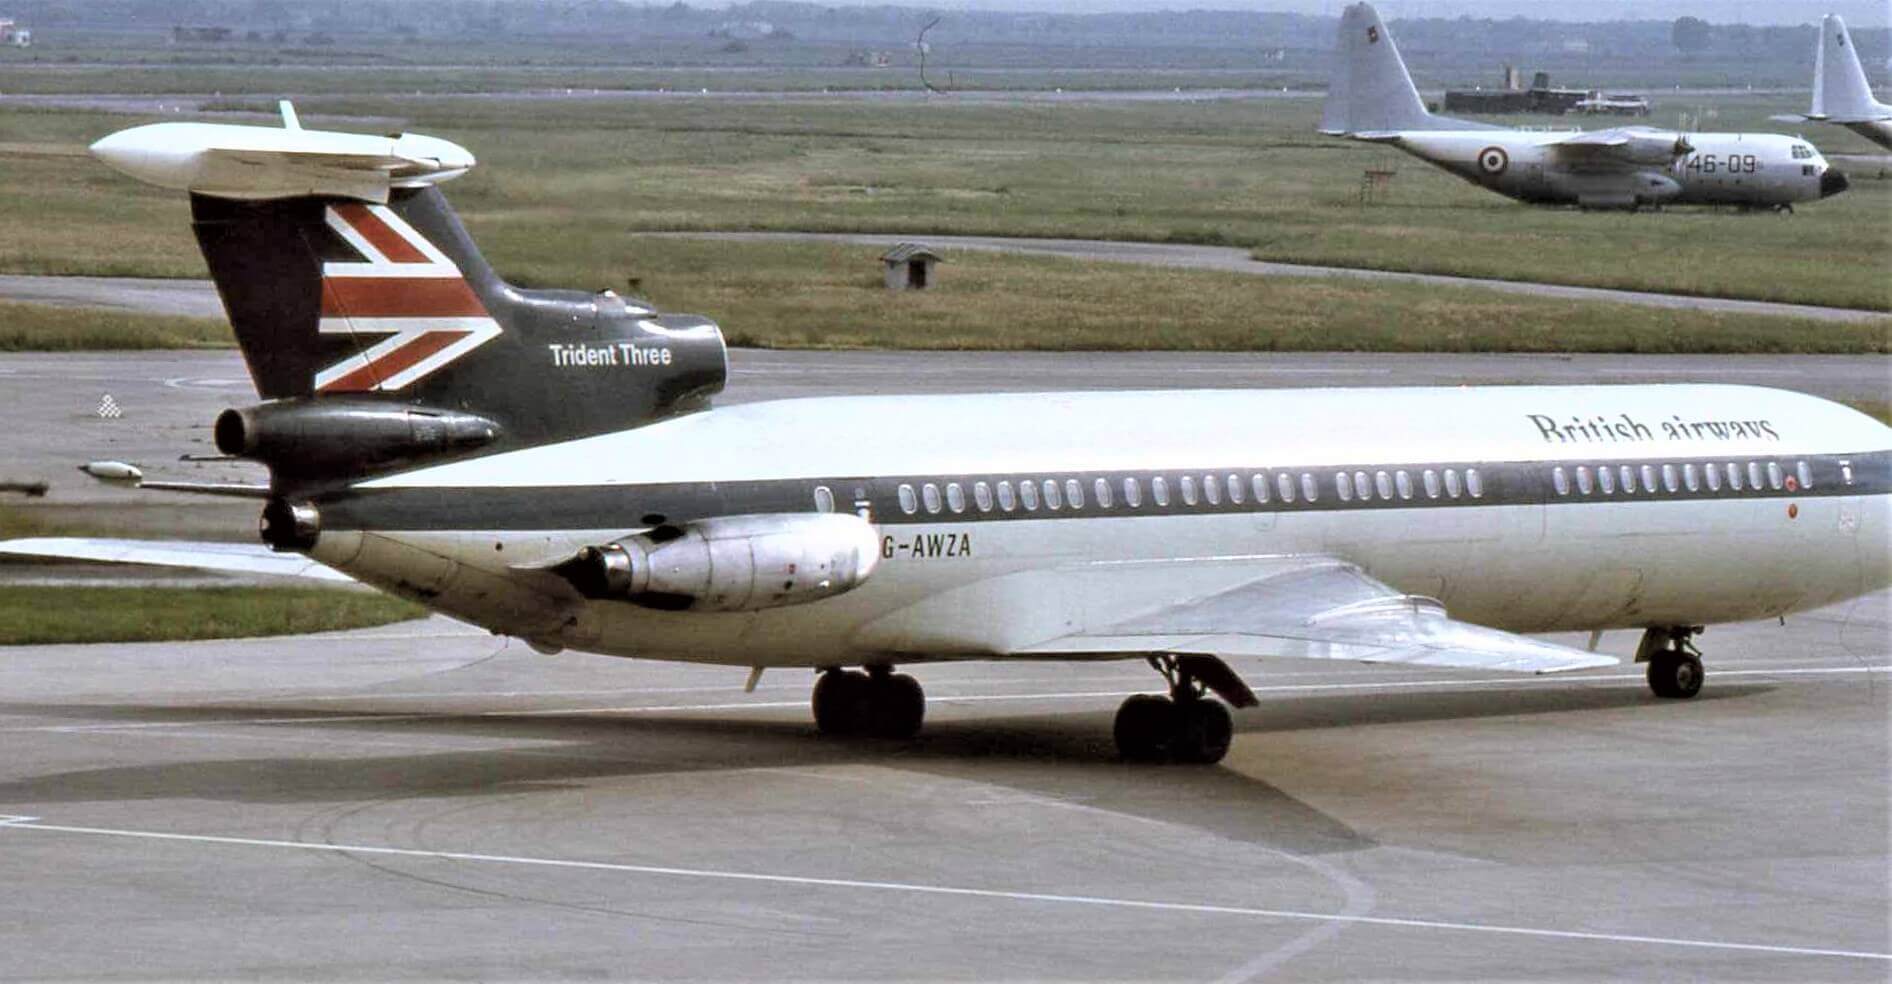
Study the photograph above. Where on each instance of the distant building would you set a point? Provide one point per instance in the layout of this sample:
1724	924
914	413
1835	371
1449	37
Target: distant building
12	33
909	266
1541	97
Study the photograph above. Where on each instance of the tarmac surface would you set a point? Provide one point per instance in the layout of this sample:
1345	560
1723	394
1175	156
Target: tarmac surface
427	801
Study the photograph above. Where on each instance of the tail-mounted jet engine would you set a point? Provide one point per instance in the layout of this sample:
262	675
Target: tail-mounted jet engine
730	563
333	437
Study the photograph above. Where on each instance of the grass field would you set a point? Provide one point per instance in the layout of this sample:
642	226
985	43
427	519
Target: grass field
565	186
34	615
813	295
45	328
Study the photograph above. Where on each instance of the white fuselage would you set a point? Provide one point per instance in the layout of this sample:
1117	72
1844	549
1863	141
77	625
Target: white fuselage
1513	546
1751	169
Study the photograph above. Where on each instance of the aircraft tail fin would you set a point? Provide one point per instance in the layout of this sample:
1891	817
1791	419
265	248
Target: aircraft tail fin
1841	93
1370	90
377	331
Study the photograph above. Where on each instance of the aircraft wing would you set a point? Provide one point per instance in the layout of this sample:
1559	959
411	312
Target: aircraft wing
242	558
1622	146
1321	608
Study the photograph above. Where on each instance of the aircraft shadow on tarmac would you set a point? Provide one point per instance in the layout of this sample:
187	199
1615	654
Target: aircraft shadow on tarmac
1064	757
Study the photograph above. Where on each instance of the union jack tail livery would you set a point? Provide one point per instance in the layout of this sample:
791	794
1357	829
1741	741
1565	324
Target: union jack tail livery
357	306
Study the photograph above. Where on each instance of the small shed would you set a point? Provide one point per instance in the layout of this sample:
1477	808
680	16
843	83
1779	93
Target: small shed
909	266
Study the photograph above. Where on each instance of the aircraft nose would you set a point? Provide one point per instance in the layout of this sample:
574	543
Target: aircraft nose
1833	182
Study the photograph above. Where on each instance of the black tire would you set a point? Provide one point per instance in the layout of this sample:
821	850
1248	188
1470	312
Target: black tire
1203	733
1145	726
840	702
896	706
1675	676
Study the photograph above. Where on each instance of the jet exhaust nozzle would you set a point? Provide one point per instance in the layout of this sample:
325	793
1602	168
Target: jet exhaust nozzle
290	527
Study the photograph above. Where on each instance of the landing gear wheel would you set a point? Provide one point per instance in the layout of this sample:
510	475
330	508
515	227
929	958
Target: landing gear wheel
840	701
1203	732
1145	725
895	706
1675	675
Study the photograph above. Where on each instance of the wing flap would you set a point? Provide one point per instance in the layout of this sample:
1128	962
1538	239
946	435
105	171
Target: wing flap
240	558
1322	608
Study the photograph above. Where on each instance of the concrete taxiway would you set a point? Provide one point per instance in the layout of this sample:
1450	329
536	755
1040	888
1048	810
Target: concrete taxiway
427	801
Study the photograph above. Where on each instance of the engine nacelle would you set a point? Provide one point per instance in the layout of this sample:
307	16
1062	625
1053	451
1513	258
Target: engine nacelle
1658	147
730	563
329	436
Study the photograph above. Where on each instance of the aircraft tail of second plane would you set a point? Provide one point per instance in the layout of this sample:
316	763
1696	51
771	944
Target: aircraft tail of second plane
1841	93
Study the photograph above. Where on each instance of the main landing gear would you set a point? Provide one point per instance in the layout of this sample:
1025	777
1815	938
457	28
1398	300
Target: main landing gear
1674	663
1187	726
878	703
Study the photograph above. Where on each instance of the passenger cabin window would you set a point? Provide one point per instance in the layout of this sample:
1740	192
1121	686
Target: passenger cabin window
1669	482
1691	478
1284	483
824	499
982	496
1211	490
1774	475
1159	490
1362	485
1259	484
929	494
1310	489
1559	480
1629	479
908	504
1451	482
1846	472
1343	486
1101	488
955	498
1132	493
1584	482
1188	487
1404	481
1713	475
1235	489
1074	493
1053	500
1606	480
1431	479
1028	495
1474	484
1754	475
1734	477
1383	484
1648	478
1805	475
1006	501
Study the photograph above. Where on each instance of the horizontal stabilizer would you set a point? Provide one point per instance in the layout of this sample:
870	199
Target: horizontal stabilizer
238	558
258	162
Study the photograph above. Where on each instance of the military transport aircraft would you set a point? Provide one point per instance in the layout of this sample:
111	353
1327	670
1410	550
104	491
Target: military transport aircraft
547	464
1840	92
1372	97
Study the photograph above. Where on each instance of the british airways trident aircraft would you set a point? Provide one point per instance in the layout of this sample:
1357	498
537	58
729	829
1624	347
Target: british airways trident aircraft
548	464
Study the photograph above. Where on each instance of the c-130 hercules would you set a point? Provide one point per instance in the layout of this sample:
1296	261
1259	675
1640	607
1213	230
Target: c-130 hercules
1371	97
547	464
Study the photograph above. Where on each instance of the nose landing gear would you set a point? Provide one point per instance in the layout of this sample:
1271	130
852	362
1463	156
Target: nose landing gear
1675	670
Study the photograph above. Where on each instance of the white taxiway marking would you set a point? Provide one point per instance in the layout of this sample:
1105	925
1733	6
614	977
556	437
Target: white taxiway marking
916	888
1525	681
